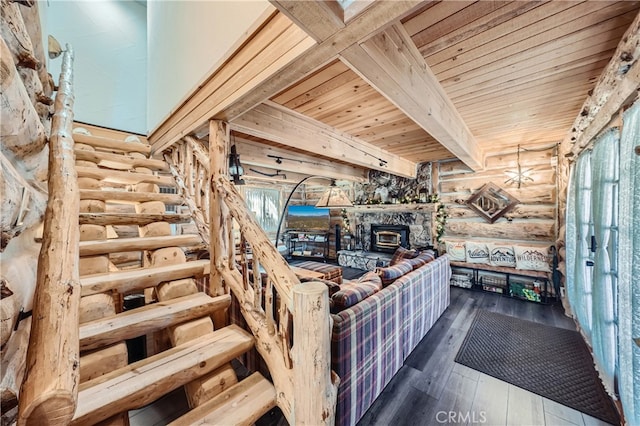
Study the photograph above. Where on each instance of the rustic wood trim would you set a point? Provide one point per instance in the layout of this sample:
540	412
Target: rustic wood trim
119	161
97	247
391	63
255	394
311	355
128	197
144	381
129	280
117	176
139	219
113	144
49	392
255	154
618	82
280	124
137	322
319	19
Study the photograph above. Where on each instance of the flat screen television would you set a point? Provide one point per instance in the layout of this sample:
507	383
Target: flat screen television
307	218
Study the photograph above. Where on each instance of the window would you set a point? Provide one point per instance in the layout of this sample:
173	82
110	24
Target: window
265	205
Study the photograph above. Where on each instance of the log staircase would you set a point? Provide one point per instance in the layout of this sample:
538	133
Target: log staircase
119	189
108	235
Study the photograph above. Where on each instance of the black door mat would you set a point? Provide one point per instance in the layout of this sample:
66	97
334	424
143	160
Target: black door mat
552	362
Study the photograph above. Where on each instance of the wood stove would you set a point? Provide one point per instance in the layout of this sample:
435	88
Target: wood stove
387	238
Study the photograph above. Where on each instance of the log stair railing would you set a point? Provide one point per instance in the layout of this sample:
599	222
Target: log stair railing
289	320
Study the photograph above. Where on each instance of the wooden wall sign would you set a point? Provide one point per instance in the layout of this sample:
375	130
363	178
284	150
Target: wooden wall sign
491	202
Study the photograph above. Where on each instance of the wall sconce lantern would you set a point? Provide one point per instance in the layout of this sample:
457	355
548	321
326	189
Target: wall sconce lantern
235	168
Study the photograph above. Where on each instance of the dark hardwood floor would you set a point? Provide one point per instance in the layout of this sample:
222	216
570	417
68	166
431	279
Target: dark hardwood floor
431	389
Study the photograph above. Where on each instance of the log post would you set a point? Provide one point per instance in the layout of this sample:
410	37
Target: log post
315	391
218	154
49	392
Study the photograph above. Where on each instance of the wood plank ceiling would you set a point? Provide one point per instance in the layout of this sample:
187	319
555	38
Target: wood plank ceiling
387	84
517	72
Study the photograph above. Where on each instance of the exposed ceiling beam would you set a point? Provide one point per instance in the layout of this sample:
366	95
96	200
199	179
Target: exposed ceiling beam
619	81
257	154
282	125
391	63
257	71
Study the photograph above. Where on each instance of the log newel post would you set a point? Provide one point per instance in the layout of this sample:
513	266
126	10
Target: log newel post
49	391
218	154
315	391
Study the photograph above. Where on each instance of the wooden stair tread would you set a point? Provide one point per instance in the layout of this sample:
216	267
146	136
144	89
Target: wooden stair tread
133	279
129	197
119	161
140	321
117	176
130	218
114	144
94	248
255	395
145	381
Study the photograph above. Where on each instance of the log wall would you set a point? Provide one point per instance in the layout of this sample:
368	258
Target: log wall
533	220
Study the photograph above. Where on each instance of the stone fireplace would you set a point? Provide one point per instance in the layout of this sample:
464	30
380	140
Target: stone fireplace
387	238
417	219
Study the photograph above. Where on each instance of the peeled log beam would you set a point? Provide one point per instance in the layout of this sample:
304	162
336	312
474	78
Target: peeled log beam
15	34
13	362
316	389
32	84
31	18
131	218
14	216
50	389
21	131
126	197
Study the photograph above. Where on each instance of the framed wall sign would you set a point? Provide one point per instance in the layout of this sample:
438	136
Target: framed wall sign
491	202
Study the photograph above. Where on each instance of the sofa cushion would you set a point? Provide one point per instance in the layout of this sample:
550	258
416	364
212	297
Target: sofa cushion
501	255
477	253
456	251
422	259
402	253
532	258
392	273
366	351
353	292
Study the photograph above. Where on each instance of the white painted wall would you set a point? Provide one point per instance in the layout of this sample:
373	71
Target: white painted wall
186	40
109	38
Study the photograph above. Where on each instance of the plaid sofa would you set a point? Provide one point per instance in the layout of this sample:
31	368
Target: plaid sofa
371	339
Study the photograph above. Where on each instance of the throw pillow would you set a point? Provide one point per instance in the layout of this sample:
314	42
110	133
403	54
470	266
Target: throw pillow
501	255
423	258
392	273
532	258
456	251
351	293
402	253
477	252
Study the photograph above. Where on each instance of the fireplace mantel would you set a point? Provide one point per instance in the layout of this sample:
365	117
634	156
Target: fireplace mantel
424	207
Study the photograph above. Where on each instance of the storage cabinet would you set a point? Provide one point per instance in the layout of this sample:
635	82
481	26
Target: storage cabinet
308	244
526	285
